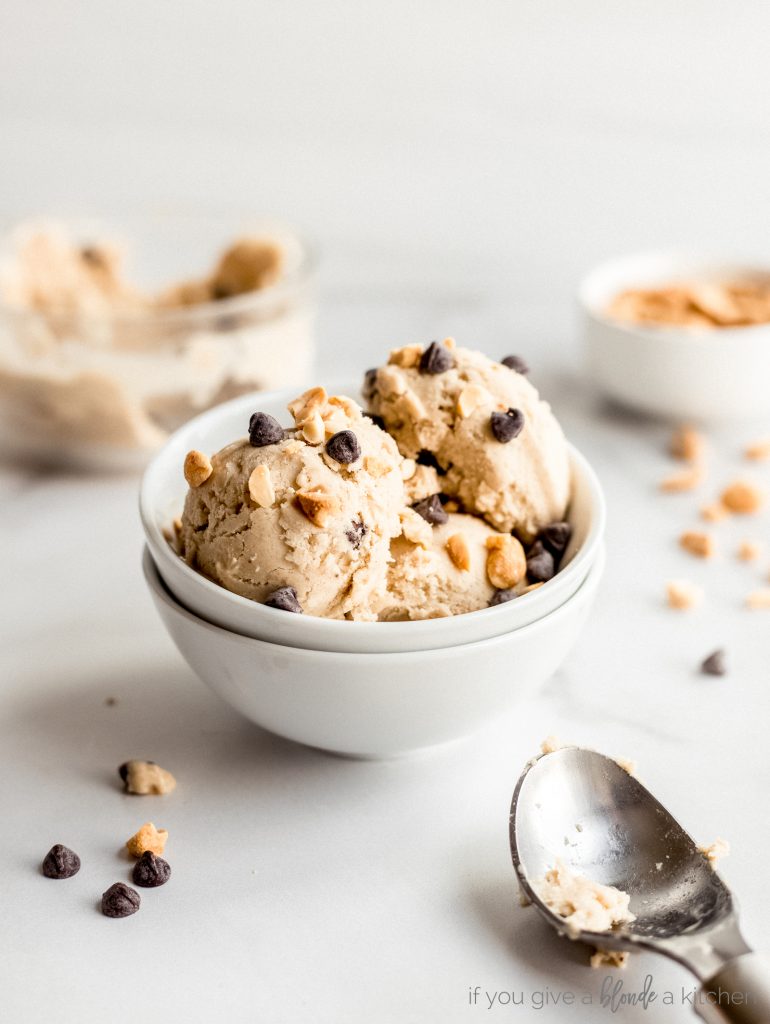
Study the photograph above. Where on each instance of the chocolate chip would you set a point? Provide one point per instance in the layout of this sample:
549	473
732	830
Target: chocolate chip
507	425
358	530
264	430
714	665
426	458
61	862
120	900
93	256
150	871
556	537
378	421
516	363
540	563
343	447
369	388
431	510
285	600
435	359
502	597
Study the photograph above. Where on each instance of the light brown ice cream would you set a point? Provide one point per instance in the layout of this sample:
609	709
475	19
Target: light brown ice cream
289	515
424	581
520	484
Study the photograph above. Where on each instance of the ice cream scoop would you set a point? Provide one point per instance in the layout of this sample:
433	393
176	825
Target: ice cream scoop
584	809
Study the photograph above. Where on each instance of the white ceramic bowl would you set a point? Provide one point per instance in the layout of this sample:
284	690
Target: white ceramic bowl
374	705
162	496
706	376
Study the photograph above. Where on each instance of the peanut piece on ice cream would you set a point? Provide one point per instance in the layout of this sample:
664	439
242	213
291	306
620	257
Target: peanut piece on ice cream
197	468
506	561
457	546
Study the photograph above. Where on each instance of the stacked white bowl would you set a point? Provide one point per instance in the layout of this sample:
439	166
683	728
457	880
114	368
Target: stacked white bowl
365	689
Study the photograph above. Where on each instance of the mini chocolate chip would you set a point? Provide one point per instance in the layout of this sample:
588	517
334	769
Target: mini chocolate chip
120	900
431	510
150	871
502	597
426	458
343	447
507	425
714	665
540	563
285	600
556	537
358	530
264	430
378	421
516	363
436	359
370	385
61	862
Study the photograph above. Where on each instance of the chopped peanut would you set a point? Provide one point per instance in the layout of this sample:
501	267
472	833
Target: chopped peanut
148	838
261	487
416	529
685	480
457	547
406	357
697	543
197	468
506	561
682	595
758	451
310	401
750	550
313	428
687	444
714	513
376	466
470	399
742	497
318	506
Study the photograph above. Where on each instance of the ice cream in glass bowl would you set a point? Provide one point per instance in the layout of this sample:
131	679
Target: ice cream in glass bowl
111	337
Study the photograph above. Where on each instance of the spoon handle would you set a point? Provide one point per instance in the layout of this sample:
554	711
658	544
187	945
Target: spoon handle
739	992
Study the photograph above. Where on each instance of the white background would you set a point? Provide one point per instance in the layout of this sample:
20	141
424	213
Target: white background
461	165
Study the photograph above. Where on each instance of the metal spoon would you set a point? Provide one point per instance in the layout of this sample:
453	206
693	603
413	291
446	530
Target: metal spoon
583	808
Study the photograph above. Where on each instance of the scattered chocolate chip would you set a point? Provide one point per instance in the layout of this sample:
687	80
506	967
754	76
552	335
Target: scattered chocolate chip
516	363
61	862
285	599
110	701
556	537
151	871
358	530
507	425
540	563
436	359
264	429
378	421
343	447
431	510
502	597
426	458
120	900
714	665
370	385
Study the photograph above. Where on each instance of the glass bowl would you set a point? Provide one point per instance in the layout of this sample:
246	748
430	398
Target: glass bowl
100	389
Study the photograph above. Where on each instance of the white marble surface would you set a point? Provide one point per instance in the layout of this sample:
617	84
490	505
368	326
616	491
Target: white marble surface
461	164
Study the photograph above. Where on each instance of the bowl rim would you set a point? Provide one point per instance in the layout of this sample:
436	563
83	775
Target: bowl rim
160	591
686	258
336	628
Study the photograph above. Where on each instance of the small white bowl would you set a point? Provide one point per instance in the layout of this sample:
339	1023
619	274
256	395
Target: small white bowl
374	705
162	497
706	375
